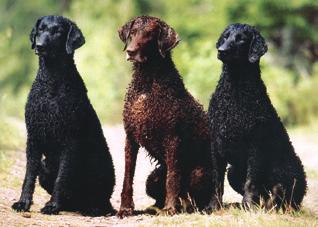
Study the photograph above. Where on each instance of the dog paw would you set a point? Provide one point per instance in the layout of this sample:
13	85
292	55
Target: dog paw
249	201
152	210
50	208
214	205
22	206
125	212
168	211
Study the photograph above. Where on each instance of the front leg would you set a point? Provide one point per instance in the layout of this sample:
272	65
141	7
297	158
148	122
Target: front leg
127	204
253	177
173	180
218	172
66	171
32	169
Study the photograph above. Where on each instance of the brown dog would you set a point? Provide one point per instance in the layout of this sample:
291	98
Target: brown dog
161	115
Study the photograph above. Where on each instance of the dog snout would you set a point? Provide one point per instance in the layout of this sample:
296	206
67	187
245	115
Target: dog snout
131	52
225	47
39	46
41	41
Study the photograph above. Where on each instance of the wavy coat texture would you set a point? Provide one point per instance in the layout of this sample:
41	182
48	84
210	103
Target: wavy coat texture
160	115
66	147
248	134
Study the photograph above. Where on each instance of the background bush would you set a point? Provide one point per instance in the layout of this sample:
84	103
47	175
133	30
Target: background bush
289	69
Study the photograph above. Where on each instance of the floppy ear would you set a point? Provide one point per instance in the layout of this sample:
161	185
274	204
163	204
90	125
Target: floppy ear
167	38
33	32
124	32
75	38
258	47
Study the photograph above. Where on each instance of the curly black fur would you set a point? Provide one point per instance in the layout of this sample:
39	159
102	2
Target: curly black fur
162	116
65	144
246	130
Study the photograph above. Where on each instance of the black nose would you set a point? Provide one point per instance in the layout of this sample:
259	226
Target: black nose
222	49
39	46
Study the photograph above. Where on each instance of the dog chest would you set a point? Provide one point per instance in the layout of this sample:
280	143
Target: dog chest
51	115
149	117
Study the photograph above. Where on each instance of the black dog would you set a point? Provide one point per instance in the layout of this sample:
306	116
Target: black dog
65	145
162	116
246	130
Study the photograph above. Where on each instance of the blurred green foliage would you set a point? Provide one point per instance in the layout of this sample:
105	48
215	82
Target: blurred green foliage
288	24
290	68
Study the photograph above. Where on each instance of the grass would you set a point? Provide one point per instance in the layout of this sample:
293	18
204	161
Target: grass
312	174
236	217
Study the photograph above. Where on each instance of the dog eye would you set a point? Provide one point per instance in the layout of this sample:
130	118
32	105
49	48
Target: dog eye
55	30
41	29
238	37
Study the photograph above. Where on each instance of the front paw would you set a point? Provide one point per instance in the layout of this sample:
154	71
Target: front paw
249	200
168	210
22	206
214	205
50	208
125	212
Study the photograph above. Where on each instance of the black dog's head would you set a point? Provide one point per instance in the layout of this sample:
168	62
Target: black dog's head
146	37
241	42
55	35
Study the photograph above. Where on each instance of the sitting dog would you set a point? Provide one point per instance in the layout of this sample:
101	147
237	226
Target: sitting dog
161	115
66	147
246	130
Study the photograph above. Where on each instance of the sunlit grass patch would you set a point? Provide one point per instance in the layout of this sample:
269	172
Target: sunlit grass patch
236	217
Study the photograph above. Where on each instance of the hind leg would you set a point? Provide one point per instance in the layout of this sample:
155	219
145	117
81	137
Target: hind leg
46	178
201	187
155	186
286	198
96	206
236	178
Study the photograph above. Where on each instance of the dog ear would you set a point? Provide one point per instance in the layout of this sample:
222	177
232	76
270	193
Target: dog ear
34	31
167	38
258	47
75	38
124	32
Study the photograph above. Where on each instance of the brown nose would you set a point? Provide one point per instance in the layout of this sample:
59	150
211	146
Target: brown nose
131	52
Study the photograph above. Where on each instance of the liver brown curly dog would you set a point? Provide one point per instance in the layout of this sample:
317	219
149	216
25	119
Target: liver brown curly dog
66	147
246	130
161	115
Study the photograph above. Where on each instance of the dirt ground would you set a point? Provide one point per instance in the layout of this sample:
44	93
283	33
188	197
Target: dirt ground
305	146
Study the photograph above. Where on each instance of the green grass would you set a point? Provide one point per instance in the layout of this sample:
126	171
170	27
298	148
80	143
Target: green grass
312	174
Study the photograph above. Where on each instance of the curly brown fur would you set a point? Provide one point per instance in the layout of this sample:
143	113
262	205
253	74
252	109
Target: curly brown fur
161	115
246	130
65	144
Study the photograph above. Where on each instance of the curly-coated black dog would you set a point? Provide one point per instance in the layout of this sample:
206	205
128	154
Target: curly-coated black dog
66	147
246	130
161	115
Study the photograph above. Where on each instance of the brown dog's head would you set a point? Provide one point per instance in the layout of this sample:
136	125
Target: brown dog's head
146	37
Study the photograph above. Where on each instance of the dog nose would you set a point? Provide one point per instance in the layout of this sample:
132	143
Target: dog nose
131	52
39	46
221	49
224	47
